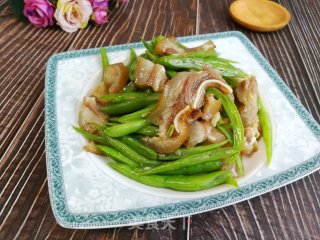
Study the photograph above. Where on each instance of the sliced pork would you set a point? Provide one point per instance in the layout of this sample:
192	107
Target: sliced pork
247	95
148	74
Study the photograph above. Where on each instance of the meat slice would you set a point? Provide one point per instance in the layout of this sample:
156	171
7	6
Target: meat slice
115	77
148	74
199	131
174	107
215	136
89	115
169	46
247	95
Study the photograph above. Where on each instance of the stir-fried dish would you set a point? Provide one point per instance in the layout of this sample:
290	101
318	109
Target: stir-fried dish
175	117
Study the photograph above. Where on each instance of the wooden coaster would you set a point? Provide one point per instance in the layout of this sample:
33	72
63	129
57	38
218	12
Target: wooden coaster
259	15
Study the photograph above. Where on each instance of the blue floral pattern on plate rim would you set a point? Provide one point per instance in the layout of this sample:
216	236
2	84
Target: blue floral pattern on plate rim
137	216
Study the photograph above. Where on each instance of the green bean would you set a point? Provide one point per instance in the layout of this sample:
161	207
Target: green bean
151	131
113	119
223	66
199	54
129	106
110	124
266	129
104	58
150	46
156	40
130	87
91	136
237	126
147	45
182	45
239	164
177	182
124	129
95	126
105	61
233	114
139	147
128	152
132	64
171	73
118	145
231	181
138	114
192	160
226	133
182	152
180	63
117	156
196	169
121	97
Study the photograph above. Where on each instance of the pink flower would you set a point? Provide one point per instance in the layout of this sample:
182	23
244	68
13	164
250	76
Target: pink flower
73	14
99	16
39	12
100	11
100	4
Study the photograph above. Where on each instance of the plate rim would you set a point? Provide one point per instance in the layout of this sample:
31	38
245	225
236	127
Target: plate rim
57	194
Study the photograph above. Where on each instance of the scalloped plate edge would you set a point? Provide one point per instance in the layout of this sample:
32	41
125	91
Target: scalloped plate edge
57	194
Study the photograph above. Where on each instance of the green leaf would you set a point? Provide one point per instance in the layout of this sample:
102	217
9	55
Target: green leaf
17	8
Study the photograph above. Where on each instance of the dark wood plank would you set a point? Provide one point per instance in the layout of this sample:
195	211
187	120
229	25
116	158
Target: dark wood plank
24	51
290	212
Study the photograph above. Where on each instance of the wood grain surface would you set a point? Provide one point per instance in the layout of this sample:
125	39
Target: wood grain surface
291	212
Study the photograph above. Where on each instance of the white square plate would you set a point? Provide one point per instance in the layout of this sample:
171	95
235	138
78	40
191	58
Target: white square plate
84	194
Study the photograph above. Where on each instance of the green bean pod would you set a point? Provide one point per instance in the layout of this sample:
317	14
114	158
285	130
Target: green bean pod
91	136
266	129
239	164
129	106
171	73
237	126
129	152
104	58
177	182
205	167
226	133
138	114
117	156
234	116
124	129
122	97
181	63
139	147
182	152
192	160
211	53
130	87
110	124
132	64
222	66
150	131
105	61
147	45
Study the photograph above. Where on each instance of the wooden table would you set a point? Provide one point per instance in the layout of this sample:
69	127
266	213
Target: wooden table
291	212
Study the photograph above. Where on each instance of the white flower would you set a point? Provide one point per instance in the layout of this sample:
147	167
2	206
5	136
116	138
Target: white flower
73	14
